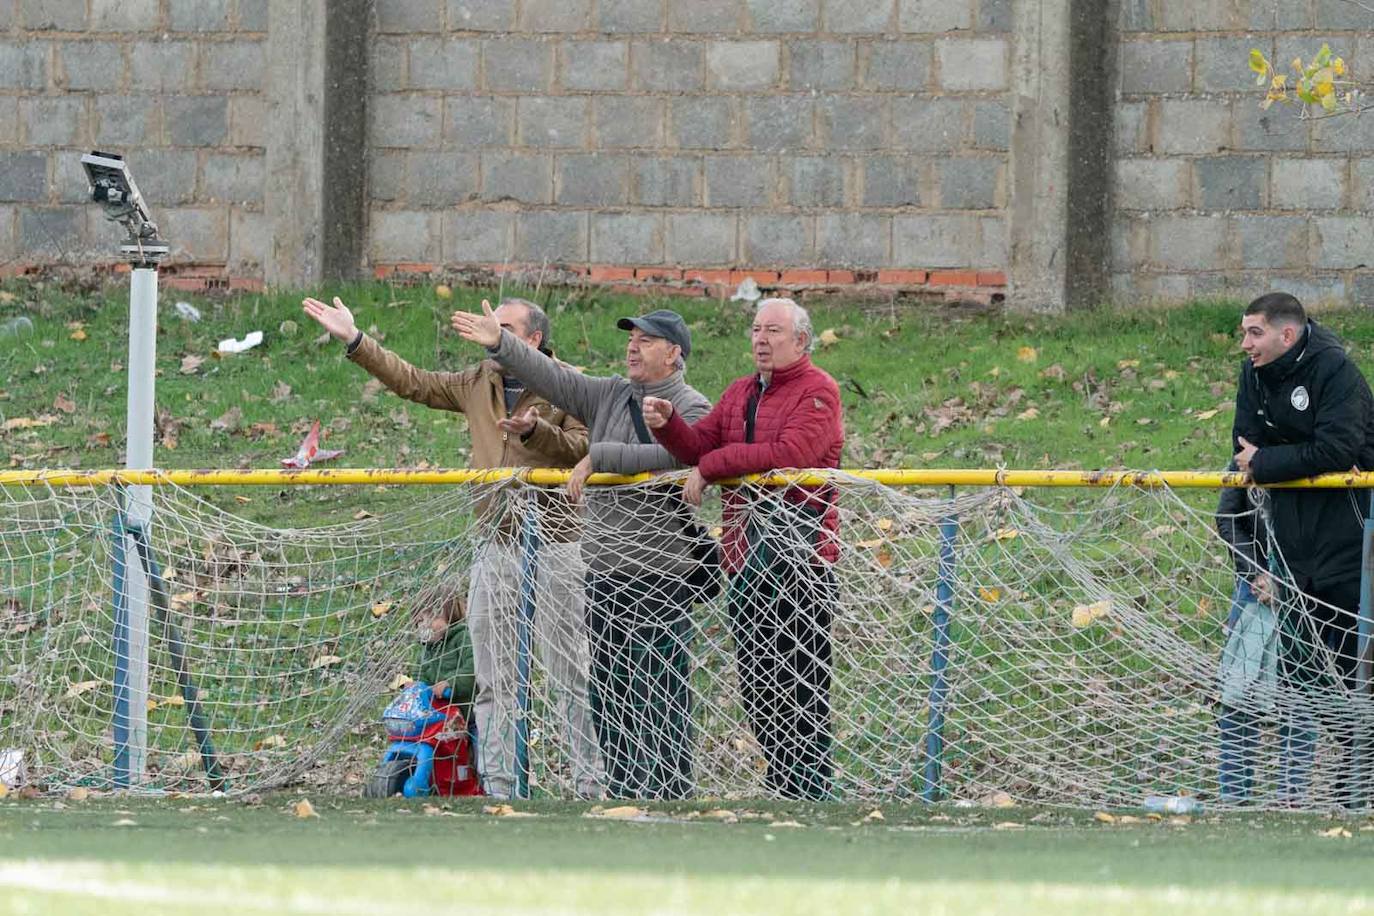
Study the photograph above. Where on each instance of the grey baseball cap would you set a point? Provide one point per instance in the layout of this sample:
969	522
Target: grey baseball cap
661	323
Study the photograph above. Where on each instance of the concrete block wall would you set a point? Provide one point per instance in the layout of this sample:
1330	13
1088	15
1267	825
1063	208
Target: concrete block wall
845	135
176	85
1214	196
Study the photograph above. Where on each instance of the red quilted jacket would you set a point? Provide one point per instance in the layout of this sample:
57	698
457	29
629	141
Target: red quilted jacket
798	424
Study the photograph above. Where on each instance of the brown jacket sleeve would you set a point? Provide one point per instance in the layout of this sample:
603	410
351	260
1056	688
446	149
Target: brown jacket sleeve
564	444
443	390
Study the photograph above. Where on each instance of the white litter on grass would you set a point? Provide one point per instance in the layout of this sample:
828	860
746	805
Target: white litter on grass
13	773
230	345
187	312
748	291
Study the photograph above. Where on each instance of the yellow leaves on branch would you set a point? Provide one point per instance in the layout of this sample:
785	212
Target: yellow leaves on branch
1316	80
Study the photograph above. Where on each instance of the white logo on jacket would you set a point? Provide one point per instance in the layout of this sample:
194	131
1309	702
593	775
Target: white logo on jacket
1299	398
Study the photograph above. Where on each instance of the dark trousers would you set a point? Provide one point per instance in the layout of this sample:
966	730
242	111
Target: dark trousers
780	619
640	690
1318	653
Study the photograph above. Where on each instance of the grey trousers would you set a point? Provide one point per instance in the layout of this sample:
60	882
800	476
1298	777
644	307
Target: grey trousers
560	641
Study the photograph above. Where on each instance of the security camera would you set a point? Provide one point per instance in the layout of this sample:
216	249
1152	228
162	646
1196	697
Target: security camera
112	186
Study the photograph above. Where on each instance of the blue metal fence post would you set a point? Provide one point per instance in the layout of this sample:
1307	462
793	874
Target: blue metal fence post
1363	661
939	656
120	641
524	627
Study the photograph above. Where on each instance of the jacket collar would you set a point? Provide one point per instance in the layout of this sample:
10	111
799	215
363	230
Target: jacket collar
1288	363
660	389
780	376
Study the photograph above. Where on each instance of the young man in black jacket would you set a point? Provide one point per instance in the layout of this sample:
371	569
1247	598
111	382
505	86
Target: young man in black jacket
1303	408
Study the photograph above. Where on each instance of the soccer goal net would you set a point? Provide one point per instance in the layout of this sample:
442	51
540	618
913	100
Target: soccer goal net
857	641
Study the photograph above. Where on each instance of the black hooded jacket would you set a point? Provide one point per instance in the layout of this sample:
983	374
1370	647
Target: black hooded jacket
1310	412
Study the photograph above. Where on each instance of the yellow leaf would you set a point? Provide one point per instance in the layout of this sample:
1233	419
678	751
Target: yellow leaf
870	544
999	800
1008	825
721	814
620	812
1085	614
325	661
303	808
381	608
1206	414
1338	66
270	741
77	690
79	794
152	704
1030	413
1128	364
443	291
1128	819
1104	422
400	682
78	334
828	338
4	790
989	594
1335	833
26	423
1027	354
1204	606
874	815
1258	63
1006	534
1104	817
884	524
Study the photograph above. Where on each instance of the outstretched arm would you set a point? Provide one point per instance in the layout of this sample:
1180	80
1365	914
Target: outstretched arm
561	385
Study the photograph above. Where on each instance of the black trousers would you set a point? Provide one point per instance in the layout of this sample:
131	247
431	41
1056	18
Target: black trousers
780	618
640	686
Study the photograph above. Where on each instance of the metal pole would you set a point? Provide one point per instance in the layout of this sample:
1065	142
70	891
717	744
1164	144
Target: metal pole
524	627
120	641
939	656
131	661
1363	665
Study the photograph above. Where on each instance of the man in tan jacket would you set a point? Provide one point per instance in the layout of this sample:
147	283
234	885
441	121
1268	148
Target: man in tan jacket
510	427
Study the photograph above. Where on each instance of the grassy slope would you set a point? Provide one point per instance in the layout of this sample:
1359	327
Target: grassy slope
921	388
391	857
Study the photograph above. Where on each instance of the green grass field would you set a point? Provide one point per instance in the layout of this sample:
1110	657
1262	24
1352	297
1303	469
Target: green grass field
180	856
1142	389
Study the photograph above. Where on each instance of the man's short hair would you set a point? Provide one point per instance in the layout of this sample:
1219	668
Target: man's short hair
1278	308
536	319
801	319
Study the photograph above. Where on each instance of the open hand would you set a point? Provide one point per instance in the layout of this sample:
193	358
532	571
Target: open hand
336	319
580	472
481	329
657	412
522	424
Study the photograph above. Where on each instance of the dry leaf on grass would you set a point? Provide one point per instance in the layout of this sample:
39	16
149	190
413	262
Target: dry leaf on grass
190	363
1104	817
620	812
874	815
1027	354
324	661
64	404
79	794
303	808
999	800
78	689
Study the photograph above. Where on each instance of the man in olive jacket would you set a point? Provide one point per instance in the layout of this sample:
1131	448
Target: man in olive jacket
1302	409
511	426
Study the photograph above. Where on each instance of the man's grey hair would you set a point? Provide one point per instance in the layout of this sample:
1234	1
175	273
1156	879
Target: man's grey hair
801	319
536	319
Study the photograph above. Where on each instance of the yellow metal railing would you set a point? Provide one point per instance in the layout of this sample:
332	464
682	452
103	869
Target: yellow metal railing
965	477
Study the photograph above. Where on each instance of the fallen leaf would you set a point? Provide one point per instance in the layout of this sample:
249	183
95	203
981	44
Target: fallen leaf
124	822
303	808
400	682
828	338
884	524
1128	819
1055	372
1128	364
190	363
280	392
14	423
381	608
443	291
79	794
999	800
874	815
1104	817
1335	833
1006	534
721	814
270	741
620	812
325	661
362	514
64	403
1030	413
1206	414
990	595
4	790
1027	354
79	334
786	824
228	421
1085	614
1009	825
78	689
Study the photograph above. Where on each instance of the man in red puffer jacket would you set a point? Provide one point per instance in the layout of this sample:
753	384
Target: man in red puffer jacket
779	544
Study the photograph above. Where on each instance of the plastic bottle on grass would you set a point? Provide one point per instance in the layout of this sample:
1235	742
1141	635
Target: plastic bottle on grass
1172	804
16	326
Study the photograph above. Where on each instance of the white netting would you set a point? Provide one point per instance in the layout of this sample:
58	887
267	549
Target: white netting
1084	638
